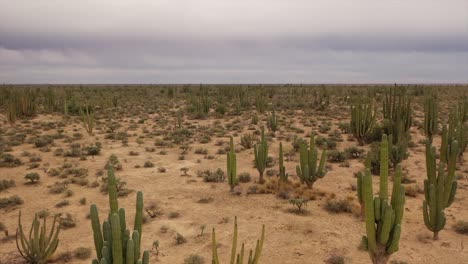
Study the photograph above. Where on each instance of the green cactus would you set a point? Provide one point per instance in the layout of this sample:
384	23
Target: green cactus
397	108
282	170
362	119
430	116
39	246
261	155
238	257
232	166
308	170
439	188
383	219
272	122
456	130
113	243
88	120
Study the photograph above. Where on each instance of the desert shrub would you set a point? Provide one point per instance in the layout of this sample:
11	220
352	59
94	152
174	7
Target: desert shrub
335	259
344	127
297	142
201	151
194	259
148	164
354	152
67	222
180	239
299	203
339	206
247	140
62	203
58	187
32	177
244	177
325	143
42	141
336	156
5	184
114	162
161	169
209	176
82	253
9	161
92	150
173	215
10	201
461	227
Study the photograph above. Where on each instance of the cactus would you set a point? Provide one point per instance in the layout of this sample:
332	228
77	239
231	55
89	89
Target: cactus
272	122
439	188
11	113
236	257
41	244
282	170
88	120
456	130
308	171
261	155
397	108
383	219
362	119
113	242
430	116
232	166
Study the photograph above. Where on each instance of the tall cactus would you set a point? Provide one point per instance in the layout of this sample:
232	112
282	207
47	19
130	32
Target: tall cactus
308	170
439	188
430	116
113	243
282	170
238	257
88	120
261	155
272	122
457	130
41	243
362	119
232	166
383	219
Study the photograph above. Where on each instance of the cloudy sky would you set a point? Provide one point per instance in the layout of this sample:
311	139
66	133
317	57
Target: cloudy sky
233	41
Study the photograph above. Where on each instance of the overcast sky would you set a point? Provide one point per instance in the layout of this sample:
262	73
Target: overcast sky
233	41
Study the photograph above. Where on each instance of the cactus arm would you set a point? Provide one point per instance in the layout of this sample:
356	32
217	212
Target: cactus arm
97	233
130	258
112	186
369	211
384	168
138	225
117	256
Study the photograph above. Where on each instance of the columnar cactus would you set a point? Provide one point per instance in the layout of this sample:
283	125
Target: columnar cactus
236	257
272	122
261	155
397	107
113	243
232	166
439	188
456	130
88	120
430	116
383	219
282	170
362	119
308	170
39	246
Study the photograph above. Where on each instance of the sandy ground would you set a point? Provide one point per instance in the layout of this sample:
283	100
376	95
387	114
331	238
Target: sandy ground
290	238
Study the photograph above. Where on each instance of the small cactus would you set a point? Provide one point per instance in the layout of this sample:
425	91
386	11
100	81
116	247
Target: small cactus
310	168
232	166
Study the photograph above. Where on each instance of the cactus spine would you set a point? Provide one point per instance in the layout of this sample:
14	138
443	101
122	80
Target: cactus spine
362	119
41	244
308	170
383	219
439	188
238	257
282	170
261	155
113	243
232	166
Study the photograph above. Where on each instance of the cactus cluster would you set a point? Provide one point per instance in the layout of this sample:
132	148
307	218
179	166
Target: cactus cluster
272	122
439	188
261	155
311	168
232	166
363	116
383	219
238	257
88	119
456	130
39	246
114	243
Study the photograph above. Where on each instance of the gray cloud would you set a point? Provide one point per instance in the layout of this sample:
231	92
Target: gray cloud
233	41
